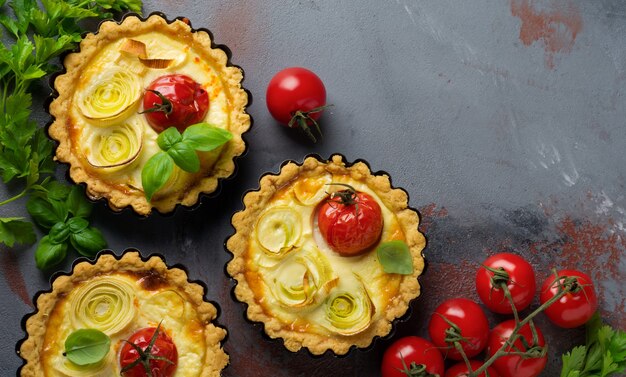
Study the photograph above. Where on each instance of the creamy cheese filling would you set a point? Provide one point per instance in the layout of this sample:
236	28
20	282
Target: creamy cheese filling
300	294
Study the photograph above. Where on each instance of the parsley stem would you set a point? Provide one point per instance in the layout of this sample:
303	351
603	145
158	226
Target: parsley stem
21	194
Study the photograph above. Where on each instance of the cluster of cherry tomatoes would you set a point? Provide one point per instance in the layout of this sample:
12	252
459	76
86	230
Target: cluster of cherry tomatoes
459	328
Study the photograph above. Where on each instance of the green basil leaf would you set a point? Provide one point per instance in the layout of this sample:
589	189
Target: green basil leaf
59	233
16	230
204	137
42	211
49	253
87	346
156	172
395	257
77	224
185	157
88	241
77	203
168	138
60	208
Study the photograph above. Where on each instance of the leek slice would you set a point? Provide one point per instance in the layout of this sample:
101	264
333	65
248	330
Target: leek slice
105	304
278	230
112	95
114	146
66	368
348	311
310	191
303	280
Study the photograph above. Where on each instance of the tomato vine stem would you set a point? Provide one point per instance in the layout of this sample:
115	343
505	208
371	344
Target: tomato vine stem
567	284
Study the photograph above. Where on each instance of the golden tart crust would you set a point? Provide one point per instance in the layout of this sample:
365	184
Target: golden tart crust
251	287
151	275
225	81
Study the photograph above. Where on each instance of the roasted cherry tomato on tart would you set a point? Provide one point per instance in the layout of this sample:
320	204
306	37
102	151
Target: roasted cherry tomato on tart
459	321
296	97
410	354
505	270
460	370
576	307
175	101
149	352
513	364
350	221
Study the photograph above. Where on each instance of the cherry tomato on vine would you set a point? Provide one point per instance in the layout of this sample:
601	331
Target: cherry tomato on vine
576	307
296	98
460	370
409	350
163	348
350	221
175	101
468	322
516	365
512	271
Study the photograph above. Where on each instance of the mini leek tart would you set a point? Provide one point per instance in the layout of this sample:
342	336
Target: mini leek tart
120	297
104	120
308	290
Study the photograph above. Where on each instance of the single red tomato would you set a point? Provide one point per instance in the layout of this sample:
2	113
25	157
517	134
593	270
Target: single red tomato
515	365
296	98
405	352
162	349
350	221
511	271
460	370
576	307
472	327
175	101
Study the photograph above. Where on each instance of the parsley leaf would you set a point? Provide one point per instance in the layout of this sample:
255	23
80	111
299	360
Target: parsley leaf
15	230
603	356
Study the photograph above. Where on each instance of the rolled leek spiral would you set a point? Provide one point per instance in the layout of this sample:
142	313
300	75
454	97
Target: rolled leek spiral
114	146
302	280
278	230
348	312
110	95
105	303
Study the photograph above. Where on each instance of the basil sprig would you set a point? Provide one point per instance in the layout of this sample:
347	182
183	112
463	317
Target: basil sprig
181	150
395	257
62	210
87	346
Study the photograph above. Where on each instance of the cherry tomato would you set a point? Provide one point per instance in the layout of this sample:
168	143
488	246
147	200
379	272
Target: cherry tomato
460	370
175	101
576	307
471	322
515	365
163	347
411	349
350	221
296	98
515	273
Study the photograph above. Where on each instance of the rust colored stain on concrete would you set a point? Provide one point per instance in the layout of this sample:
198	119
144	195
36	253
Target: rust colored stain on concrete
13	276
556	26
428	213
444	280
592	247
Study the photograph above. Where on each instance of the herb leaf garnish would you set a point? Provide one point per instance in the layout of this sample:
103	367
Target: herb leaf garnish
395	257
87	346
180	150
